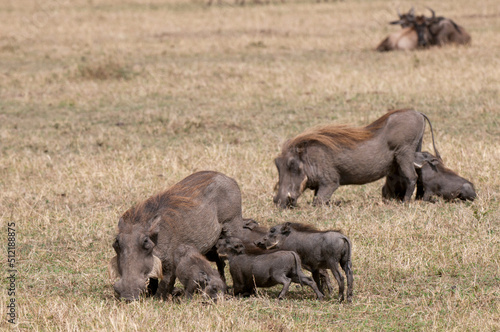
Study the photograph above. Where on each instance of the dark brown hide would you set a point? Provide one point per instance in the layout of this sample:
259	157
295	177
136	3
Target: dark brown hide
324	158
317	250
191	212
259	268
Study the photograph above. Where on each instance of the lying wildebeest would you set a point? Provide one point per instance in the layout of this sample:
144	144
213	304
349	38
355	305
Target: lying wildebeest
324	158
261	268
316	249
192	212
435	179
429	30
445	31
251	233
195	273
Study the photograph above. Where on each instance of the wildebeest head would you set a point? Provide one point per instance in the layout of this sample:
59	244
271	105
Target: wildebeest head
404	19
134	263
292	179
419	23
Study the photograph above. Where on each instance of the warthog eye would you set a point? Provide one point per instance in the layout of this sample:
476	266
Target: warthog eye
147	244
272	230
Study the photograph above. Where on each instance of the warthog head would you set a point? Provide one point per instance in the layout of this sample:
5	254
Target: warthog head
292	179
275	235
230	246
134	264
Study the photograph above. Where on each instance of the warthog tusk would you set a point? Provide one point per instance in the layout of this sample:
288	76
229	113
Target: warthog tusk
272	245
288	195
303	184
113	273
157	271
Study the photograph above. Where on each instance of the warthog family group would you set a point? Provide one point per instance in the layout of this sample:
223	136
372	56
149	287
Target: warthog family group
170	235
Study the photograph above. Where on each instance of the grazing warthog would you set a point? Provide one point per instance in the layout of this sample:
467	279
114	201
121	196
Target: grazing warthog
317	250
195	273
252	232
324	158
191	212
435	179
260	268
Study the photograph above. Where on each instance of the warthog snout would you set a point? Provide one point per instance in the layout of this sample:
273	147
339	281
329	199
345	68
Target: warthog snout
131	288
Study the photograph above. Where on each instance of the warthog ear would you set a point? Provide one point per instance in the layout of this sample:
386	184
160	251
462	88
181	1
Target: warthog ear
113	272
157	271
286	228
154	228
121	223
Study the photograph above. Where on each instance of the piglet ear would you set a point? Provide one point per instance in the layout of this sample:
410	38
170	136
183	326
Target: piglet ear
434	161
154	228
250	224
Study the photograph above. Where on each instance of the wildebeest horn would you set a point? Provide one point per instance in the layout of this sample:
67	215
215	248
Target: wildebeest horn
433	13
114	274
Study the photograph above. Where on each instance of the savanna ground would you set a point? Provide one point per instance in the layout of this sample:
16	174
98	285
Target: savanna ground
105	102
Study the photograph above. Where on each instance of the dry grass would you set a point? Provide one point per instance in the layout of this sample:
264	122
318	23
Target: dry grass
105	102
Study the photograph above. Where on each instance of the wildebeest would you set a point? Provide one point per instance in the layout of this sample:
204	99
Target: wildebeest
421	31
195	273
434	178
192	212
251	232
259	268
445	31
316	249
430	31
324	158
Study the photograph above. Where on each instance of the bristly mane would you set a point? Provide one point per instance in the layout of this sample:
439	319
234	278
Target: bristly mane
176	199
310	229
335	136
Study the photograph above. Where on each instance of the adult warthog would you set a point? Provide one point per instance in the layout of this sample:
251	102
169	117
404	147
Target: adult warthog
191	212
324	158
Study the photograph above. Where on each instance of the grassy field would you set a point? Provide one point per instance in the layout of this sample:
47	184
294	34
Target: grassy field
105	102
